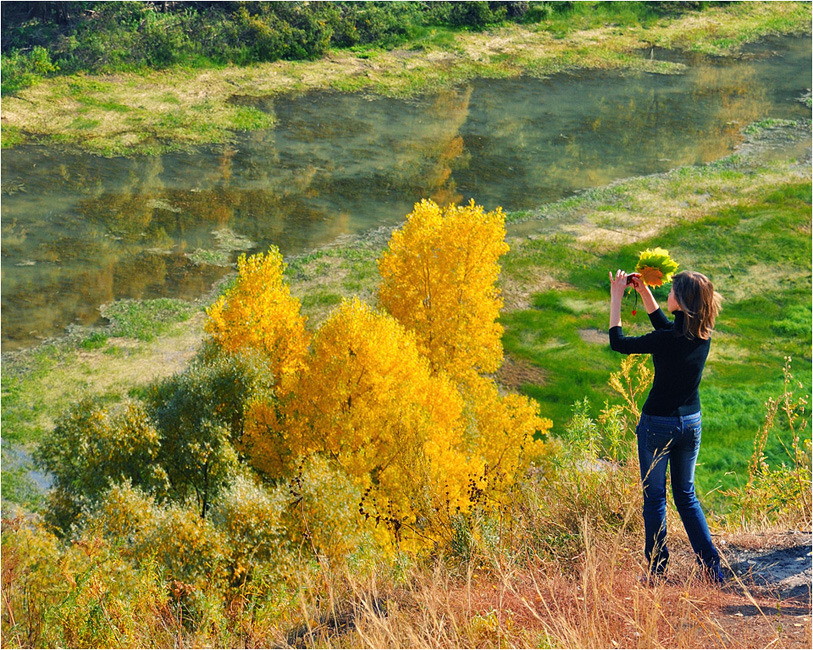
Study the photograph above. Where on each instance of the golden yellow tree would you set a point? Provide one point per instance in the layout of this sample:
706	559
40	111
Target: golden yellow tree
394	401
370	402
506	430
439	280
259	313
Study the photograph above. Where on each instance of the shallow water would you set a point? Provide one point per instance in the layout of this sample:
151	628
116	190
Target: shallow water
79	231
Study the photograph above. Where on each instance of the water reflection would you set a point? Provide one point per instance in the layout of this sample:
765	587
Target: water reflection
80	231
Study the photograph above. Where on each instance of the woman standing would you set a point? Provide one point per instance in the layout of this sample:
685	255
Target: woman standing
669	429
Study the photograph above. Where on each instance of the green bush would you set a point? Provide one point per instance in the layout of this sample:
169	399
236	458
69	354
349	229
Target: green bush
323	519
176	445
89	449
199	413
191	550
113	36
251	520
476	15
22	70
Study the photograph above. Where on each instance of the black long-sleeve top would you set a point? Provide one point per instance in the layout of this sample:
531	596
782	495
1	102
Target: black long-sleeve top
678	361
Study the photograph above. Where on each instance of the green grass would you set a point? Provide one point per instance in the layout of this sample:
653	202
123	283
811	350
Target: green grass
11	136
145	319
589	15
320	299
26	408
94	341
210	257
757	253
18	487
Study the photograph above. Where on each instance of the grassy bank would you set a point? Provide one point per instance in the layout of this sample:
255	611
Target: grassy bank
152	111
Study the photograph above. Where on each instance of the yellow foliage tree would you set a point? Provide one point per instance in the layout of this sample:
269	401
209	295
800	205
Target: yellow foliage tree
439	280
507	430
259	313
394	401
370	402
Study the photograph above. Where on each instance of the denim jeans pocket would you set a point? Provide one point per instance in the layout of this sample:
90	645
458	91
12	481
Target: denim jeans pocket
660	436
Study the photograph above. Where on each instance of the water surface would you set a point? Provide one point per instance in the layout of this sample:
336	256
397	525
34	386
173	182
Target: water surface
79	231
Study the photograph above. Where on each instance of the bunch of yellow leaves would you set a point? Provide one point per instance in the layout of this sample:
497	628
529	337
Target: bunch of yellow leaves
655	266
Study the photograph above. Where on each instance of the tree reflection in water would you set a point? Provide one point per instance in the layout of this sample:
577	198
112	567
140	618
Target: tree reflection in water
80	231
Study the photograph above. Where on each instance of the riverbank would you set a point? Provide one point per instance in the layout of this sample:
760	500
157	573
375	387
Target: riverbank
155	112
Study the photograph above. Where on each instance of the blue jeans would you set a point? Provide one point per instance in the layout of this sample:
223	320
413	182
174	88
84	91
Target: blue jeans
674	441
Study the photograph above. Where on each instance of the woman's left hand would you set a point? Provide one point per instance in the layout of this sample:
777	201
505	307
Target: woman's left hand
618	284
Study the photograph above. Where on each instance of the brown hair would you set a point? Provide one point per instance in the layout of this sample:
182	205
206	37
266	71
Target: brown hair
697	299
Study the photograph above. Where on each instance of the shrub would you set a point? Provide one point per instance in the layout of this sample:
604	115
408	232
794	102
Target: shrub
323	518
192	551
200	414
30	557
252	520
779	495
90	448
122	517
163	41
85	594
178	444
24	69
476	14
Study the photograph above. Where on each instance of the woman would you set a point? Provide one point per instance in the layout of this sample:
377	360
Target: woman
669	429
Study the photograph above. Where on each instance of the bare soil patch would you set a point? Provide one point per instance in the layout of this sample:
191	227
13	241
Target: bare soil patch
517	292
596	336
515	373
770	595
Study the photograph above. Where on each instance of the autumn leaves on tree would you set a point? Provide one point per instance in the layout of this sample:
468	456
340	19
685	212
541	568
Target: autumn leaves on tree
396	398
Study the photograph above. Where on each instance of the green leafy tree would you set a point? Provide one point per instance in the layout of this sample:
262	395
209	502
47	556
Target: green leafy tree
90	448
200	413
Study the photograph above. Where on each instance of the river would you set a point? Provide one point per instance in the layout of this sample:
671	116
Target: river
79	231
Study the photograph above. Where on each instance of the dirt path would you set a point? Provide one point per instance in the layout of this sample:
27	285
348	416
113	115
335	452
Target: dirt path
770	594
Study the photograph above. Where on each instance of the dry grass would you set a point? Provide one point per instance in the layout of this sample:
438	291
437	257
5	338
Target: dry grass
598	602
124	364
146	363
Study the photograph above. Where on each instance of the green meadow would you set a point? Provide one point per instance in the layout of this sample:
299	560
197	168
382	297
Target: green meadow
758	254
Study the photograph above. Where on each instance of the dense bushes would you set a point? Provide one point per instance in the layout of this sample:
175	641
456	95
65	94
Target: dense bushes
278	451
391	410
43	38
109	36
